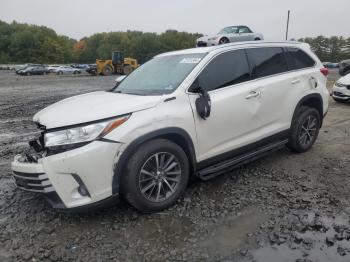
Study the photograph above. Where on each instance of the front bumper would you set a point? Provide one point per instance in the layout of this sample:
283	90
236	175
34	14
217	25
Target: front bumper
61	177
341	92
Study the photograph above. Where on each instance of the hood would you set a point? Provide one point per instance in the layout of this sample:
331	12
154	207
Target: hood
345	80
91	107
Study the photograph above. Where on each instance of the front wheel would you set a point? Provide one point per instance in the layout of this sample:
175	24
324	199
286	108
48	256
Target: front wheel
156	176
304	130
223	41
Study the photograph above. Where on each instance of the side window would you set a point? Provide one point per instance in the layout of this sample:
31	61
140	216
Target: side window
298	59
267	61
244	30
225	70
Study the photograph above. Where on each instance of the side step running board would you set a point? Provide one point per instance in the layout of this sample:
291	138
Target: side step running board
225	166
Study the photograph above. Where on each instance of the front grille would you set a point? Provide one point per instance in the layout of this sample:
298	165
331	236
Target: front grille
34	182
201	44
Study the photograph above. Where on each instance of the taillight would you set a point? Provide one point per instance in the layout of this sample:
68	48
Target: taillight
324	71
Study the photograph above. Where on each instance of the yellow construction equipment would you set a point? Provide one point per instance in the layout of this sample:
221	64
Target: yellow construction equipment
118	65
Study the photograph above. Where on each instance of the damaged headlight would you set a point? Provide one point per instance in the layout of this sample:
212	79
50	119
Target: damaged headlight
82	134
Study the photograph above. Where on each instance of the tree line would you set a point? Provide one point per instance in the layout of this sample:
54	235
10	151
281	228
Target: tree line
24	43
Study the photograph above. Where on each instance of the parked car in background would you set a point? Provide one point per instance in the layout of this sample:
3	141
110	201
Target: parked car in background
33	70
80	66
22	67
62	70
341	89
228	35
51	68
330	65
188	113
344	67
92	69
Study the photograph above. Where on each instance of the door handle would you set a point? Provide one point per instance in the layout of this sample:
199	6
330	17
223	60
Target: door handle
253	94
295	81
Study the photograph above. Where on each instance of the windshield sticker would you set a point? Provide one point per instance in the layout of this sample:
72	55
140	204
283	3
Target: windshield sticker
190	60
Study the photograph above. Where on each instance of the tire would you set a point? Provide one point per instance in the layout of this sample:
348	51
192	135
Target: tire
60	73
127	69
27	74
223	41
257	39
300	140
107	70
160	194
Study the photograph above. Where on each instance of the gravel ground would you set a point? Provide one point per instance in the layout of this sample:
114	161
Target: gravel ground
284	207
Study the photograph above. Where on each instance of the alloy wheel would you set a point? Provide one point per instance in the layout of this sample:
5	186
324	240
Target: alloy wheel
160	176
308	131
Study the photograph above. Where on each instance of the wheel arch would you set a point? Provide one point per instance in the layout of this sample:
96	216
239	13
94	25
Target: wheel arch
177	135
311	100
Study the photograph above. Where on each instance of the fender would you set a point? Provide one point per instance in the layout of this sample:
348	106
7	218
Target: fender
171	133
306	101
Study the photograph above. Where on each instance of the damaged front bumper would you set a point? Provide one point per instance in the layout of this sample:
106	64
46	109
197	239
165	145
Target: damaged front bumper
32	177
73	179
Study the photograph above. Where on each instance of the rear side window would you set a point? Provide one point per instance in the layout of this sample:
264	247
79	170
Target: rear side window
267	61
298	59
225	70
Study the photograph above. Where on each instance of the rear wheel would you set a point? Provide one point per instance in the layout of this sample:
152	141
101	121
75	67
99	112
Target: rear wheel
304	129
257	39
107	70
127	69
156	176
60	73
28	74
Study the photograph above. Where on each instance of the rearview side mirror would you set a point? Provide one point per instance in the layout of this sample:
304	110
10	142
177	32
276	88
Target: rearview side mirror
203	102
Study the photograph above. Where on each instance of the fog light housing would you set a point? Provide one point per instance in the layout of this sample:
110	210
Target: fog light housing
83	191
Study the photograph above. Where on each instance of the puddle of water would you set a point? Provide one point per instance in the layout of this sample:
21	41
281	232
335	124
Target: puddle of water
323	239
227	235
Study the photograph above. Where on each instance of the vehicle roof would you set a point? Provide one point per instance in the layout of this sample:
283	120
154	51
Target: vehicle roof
199	50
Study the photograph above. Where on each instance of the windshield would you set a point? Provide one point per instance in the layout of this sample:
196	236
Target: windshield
229	30
161	75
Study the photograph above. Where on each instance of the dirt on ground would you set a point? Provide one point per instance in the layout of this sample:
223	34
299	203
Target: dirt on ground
283	207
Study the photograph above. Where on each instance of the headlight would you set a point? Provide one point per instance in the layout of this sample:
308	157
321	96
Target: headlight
339	84
82	134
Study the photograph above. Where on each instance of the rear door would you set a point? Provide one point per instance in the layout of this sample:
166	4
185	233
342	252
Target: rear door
234	103
306	78
269	70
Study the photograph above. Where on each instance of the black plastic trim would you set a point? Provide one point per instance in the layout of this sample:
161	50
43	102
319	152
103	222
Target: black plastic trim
242	150
215	170
304	99
118	170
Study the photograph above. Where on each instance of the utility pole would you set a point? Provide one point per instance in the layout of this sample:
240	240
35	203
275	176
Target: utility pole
287	25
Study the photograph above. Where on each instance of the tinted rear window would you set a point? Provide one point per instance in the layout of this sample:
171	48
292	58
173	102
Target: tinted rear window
298	59
225	70
266	61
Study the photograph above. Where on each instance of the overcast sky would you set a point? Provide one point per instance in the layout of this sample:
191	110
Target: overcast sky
78	18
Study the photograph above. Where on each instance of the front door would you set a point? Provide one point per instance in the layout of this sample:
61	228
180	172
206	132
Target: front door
234	103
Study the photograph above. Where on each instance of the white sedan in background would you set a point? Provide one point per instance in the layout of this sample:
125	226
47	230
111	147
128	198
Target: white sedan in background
341	89
66	70
230	34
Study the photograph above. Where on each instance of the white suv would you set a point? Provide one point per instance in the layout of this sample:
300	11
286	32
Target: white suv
189	113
